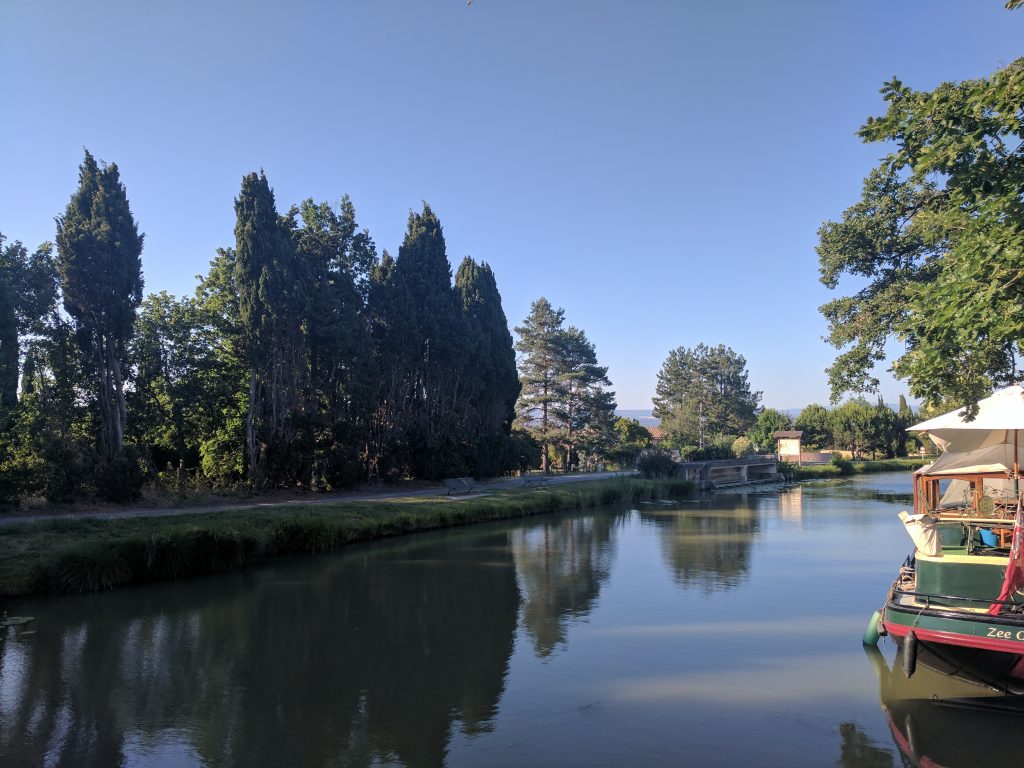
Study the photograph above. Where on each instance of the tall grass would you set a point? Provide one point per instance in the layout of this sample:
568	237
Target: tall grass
88	555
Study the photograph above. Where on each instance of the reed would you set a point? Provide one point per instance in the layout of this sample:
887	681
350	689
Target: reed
84	555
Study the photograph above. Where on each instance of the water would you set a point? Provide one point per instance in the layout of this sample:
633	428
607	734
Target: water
719	633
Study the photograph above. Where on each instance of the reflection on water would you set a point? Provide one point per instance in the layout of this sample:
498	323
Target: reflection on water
694	633
355	660
561	566
857	750
707	546
938	719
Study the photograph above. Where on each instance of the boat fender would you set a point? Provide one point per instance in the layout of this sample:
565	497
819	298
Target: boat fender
872	633
910	653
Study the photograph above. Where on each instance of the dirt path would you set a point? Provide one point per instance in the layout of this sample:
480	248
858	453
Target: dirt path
330	498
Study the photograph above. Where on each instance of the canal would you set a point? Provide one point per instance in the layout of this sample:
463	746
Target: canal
722	632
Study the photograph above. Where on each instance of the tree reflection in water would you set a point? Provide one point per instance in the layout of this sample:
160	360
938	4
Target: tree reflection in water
354	659
707	546
561	567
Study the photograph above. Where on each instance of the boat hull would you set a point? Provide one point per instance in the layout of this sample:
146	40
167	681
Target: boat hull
981	648
990	633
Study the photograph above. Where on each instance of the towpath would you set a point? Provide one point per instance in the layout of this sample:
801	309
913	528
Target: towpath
373	494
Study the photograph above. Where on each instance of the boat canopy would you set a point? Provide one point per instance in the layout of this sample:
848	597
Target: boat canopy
1000	421
994	458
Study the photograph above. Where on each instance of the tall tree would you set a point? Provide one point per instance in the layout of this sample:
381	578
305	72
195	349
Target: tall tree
337	258
939	236
702	392
813	422
437	387
494	381
540	349
851	425
271	295
768	422
391	323
99	252
585	409
9	348
173	361
225	383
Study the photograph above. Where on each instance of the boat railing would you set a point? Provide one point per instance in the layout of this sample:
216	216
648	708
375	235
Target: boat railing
928	598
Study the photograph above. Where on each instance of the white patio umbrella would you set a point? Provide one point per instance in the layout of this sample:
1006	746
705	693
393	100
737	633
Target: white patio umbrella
1000	422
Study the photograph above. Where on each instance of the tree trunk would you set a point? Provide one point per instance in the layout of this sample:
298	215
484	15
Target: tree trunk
250	431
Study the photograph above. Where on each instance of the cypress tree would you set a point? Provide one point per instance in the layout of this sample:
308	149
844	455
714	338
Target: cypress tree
392	327
437	390
9	352
99	252
490	368
337	260
270	295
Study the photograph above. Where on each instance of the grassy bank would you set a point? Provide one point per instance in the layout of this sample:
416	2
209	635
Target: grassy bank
85	554
820	471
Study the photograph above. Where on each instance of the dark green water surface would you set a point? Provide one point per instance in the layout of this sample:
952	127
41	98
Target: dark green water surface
725	632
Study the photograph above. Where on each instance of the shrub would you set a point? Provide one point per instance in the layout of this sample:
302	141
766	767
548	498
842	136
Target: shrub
654	462
844	465
720	448
120	479
741	447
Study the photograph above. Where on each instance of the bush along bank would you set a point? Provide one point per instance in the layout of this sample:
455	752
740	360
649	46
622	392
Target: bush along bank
82	555
840	467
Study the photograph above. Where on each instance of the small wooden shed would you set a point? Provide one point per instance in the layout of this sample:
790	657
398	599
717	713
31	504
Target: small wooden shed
788	444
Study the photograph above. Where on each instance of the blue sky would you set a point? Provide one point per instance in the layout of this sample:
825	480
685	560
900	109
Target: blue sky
658	169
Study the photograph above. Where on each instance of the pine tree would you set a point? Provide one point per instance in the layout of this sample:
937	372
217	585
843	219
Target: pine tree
540	348
585	409
99	259
703	392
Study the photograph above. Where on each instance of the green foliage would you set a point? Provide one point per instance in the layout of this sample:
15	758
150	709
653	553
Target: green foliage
121	479
851	425
939	236
843	466
539	348
271	298
84	555
489	361
768	422
742	446
99	252
565	401
654	462
813	421
301	360
702	392
630	437
719	447
526	451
